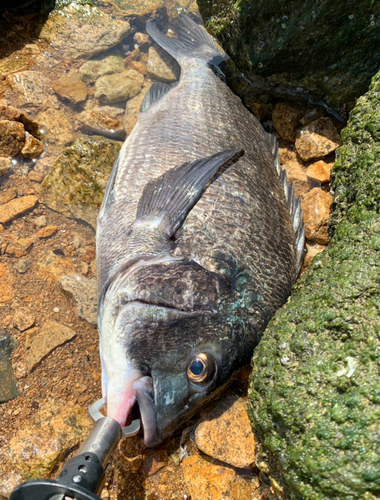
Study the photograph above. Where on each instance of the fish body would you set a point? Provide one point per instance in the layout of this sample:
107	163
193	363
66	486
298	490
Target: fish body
196	247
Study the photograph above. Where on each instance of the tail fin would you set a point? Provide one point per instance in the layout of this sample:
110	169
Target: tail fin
193	42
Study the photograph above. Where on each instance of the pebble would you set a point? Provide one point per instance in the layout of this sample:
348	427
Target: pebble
16	207
286	120
5	166
142	39
9	195
50	265
89	255
102	123
162	66
208	481
70	86
317	139
8	383
32	147
316	213
23	265
56	126
12	138
43	165
16	115
6	281
23	319
35	176
118	87
50	336
84	291
40	221
226	434
90	71
47	231
20	247
320	171
132	110
154	461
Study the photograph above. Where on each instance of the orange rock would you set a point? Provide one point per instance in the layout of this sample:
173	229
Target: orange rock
226	433
9	195
296	174
6	291
138	66
312	249
47	231
35	176
13	114
12	138
286	119
209	481
20	247
88	255
71	87
32	147
16	207
320	171
317	139
316	213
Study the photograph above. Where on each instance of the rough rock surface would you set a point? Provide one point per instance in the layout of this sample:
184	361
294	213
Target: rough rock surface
85	294
32	89
118	87
17	115
132	110
100	122
91	70
8	383
12	138
5	166
161	66
286	120
316	214
318	138
320	171
315	382
32	147
16	207
70	86
56	127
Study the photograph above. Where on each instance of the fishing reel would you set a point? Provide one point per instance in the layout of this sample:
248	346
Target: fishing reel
82	477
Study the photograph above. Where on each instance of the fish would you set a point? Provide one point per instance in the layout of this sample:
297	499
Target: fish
199	241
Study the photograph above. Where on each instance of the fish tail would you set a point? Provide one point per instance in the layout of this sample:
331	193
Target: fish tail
193	42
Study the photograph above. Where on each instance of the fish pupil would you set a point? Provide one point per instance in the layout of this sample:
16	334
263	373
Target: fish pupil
197	367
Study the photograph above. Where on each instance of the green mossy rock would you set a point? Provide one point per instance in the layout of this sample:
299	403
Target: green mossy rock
329	48
315	386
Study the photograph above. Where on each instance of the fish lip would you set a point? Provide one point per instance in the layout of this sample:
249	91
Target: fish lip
144	393
179	312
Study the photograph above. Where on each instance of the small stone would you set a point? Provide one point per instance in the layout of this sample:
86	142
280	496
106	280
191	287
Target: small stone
13	114
35	176
40	221
51	335
33	147
6	282
12	138
101	123
88	255
132	110
20	248
154	461
312	249
51	265
56	127
47	231
43	165
71	87
23	265
8	385
56	309
162	66
286	119
316	207
296	174
226	434
9	195
93	267
5	166
84	268
16	207
84	291
320	171
208	481
142	39
29	336
23	319
317	139
90	71
118	87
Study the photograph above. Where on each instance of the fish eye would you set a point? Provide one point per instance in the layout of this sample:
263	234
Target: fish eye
201	368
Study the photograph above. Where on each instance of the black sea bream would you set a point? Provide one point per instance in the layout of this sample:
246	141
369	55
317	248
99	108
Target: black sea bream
199	241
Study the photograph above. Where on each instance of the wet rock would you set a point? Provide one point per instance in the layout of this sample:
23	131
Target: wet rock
43	442
208	481
72	29
142	39
20	247
317	139
88	255
8	483
70	86
9	195
6	282
154	461
316	207
84	291
296	174
12	138
312	249
47	231
286	120
102	123
225	433
40	221
31	89
51	335
118	87
33	147
16	207
138	8
90	71
23	265
132	110
260	110
56	127
320	171
16	115
93	267
35	176
51	266
44	164
8	383
23	319
5	166
162	66
76	183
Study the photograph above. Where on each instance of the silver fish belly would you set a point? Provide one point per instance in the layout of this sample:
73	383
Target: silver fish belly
197	244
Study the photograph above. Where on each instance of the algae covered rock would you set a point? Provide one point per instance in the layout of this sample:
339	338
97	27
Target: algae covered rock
315	386
328	48
76	183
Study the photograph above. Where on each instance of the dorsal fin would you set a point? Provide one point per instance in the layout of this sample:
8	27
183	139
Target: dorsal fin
167	201
294	203
155	92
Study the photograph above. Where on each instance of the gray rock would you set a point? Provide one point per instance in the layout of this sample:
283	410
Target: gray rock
31	89
90	71
118	87
84	291
8	383
23	265
23	319
161	66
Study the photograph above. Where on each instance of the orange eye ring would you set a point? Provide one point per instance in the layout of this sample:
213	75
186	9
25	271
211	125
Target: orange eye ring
201	368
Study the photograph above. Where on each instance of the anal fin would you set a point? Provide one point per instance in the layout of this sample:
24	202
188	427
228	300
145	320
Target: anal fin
157	90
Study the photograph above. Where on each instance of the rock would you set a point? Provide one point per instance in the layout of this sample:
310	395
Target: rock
88	255
9	195
40	221
71	30
16	115
296	174
6	282
286	119
139	8
47	231
320	171
84	291
318	138
35	176
208	481
33	147
161	66
51	266
5	166
93	267
101	123
312	249
118	87
76	183
316	206
142	39
51	335
132	110
225	433
56	127
260	110
8	383
8	483
38	447
44	164
154	461
23	265
12	138
14	208
32	89
90	71
20	247
70	86
23	319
